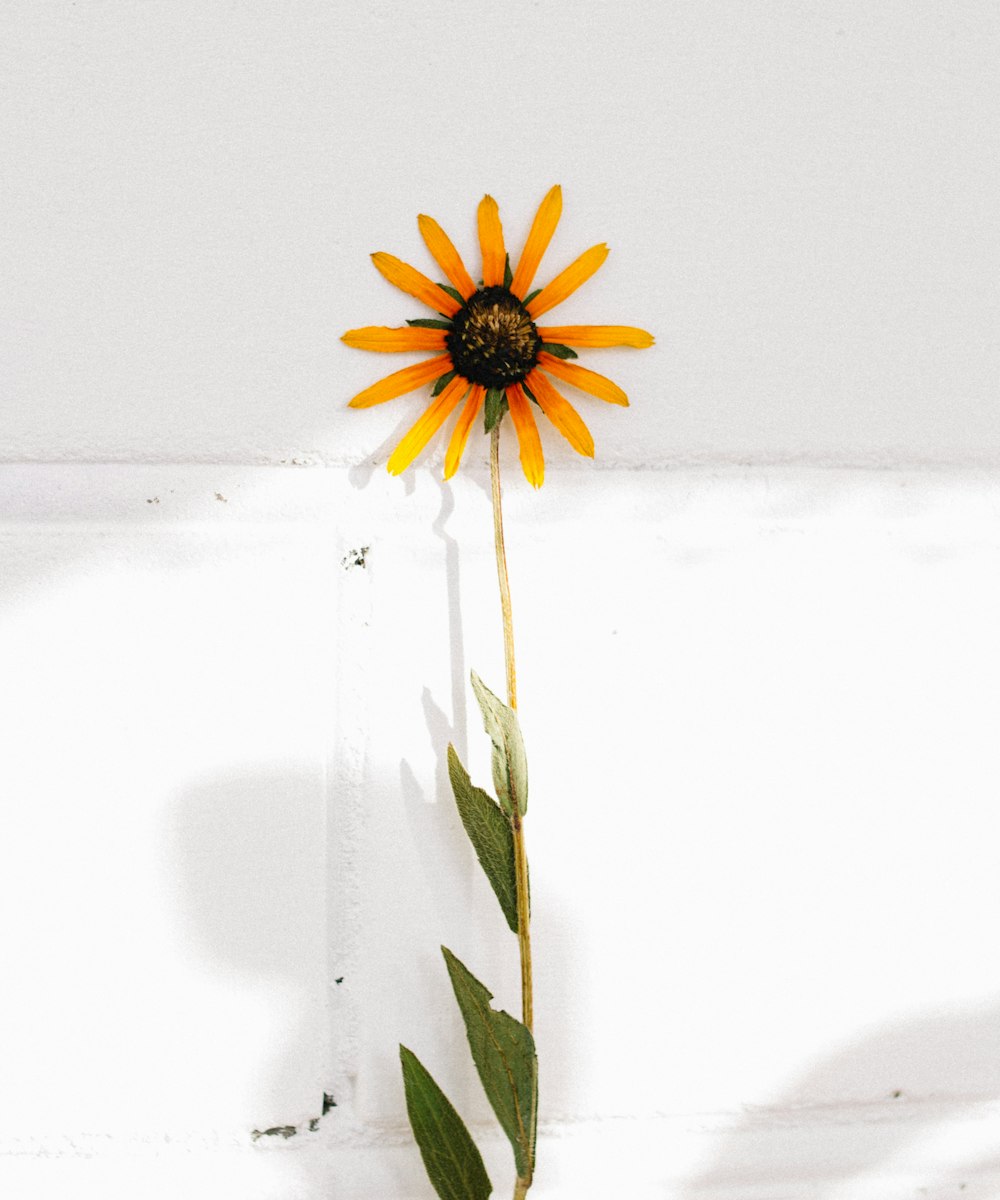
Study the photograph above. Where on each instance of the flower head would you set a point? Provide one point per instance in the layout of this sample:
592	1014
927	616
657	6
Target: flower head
489	351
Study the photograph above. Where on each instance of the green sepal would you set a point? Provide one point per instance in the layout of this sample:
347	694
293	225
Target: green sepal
528	392
454	1165
432	323
508	274
453	292
495	407
510	762
442	382
504	1053
530	296
557	350
490	834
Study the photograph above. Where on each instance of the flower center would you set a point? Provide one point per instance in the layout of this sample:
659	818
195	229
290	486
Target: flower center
493	341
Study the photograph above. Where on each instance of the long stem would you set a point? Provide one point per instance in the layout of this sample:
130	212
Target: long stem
508	621
517	823
520	853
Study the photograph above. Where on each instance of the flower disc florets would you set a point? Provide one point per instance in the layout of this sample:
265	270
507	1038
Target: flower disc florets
493	341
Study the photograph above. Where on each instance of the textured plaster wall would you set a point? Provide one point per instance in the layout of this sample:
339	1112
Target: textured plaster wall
760	710
757	636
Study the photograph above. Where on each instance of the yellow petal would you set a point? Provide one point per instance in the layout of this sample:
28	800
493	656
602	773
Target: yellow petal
466	418
532	459
542	229
596	335
580	377
566	282
401	382
386	340
446	256
410	280
429	423
561	413
491	242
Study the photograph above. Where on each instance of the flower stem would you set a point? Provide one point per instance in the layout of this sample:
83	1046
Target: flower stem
520	853
508	622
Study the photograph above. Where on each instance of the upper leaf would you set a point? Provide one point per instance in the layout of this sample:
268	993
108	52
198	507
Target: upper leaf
504	1053
454	1164
490	833
510	763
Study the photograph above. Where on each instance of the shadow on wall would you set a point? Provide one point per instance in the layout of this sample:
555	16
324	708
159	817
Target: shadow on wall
883	1104
245	852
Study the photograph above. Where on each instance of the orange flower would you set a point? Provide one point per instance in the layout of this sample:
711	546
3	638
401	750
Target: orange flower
489	350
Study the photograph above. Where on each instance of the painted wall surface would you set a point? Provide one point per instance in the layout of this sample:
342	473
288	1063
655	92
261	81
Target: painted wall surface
800	202
757	636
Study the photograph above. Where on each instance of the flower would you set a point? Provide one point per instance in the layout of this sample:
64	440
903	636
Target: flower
488	349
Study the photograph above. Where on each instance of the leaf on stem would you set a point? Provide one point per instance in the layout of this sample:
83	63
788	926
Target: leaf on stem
454	1164
490	834
504	1053
510	763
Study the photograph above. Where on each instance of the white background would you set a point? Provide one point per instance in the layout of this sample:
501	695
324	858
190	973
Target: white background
757	636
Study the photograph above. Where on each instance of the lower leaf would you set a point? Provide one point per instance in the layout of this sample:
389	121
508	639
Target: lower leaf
454	1164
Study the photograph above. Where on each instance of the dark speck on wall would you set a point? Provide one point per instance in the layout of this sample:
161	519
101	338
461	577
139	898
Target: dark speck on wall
285	1131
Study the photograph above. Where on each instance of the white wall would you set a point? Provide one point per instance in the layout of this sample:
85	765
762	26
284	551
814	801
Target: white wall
757	637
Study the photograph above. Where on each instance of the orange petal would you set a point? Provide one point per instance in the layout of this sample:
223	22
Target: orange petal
446	256
596	335
401	382
580	377
460	436
539	236
561	413
409	279
430	422
566	282
532	459
381	337
491	242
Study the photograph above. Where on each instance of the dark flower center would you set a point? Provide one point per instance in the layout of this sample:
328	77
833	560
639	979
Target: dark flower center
493	341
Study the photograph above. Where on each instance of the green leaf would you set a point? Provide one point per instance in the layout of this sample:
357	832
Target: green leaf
530	296
432	323
556	349
495	407
454	1164
442	382
490	834
455	295
508	274
510	762
504	1053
